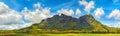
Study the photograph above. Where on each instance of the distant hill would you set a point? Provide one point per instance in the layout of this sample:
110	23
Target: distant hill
85	23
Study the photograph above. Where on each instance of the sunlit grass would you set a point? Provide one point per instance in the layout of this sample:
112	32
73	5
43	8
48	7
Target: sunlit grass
57	34
81	34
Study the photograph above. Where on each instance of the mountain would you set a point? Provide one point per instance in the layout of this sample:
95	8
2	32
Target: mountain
63	22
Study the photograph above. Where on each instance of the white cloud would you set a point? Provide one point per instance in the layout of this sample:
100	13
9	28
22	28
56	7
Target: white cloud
88	5
37	5
117	25
99	12
115	14
14	26
83	2
3	8
78	11
38	15
8	15
25	11
11	19
66	12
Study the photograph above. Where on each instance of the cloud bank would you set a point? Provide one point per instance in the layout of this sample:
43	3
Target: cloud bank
11	19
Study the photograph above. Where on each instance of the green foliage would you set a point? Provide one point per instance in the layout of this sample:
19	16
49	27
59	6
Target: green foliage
88	24
63	25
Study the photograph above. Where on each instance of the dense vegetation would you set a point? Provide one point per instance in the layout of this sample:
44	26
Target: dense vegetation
65	24
68	24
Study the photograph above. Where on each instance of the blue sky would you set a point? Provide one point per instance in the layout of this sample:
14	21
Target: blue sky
103	14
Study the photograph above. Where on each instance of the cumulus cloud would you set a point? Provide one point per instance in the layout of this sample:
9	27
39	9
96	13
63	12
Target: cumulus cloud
38	15
115	14
8	15
78	11
88	5
11	19
99	12
66	12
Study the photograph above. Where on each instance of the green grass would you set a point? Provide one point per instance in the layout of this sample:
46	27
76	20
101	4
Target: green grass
81	34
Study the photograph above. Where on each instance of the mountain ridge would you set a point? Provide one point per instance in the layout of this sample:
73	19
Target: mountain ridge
84	23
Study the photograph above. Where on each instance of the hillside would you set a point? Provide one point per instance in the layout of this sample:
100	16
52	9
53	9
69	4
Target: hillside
85	23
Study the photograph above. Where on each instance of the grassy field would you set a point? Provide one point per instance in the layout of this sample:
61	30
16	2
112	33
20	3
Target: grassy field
83	34
63	35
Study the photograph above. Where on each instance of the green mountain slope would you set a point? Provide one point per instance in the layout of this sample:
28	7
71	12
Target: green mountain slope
85	23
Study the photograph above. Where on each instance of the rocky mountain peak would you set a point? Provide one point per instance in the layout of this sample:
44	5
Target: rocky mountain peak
86	19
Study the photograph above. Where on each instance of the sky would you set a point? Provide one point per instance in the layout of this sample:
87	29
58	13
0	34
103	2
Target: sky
16	14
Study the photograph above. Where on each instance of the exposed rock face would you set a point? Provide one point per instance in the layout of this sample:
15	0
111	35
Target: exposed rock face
60	22
68	22
86	19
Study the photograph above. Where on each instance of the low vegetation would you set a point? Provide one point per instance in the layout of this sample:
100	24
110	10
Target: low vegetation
62	25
